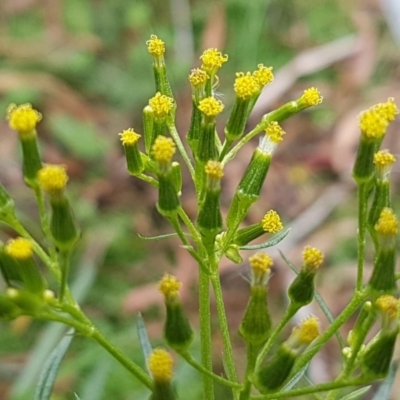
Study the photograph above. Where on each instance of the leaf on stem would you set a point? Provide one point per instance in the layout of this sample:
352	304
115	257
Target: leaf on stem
274	241
358	393
144	340
386	386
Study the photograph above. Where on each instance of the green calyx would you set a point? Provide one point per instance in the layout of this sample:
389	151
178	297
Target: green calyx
206	147
31	160
134	160
363	170
237	120
383	275
168	200
246	235
256	324
163	391
301	290
194	132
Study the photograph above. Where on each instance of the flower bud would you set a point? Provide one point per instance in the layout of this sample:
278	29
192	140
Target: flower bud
177	330
24	119
301	290
160	364
134	162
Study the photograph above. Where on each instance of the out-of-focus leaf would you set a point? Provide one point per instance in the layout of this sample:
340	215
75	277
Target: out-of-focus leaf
167	235
357	394
94	384
50	370
80	139
143	338
384	390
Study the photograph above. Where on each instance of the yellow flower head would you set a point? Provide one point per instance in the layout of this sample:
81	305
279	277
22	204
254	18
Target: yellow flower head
169	286
372	124
161	105
245	86
271	222
198	77
260	264
388	305
23	118
129	137
155	46
213	169
387	224
384	158
19	249
212	60
275	132
311	97
312	257
306	332
163	149
160	364
263	75
388	110
210	106
52	178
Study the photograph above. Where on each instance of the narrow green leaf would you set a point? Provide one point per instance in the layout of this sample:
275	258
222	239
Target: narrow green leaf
274	241
292	383
320	301
143	338
50	370
385	388
167	235
358	393
77	397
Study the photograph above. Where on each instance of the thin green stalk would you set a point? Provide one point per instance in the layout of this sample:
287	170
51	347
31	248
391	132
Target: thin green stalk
362	195
64	262
251	363
225	148
190	360
223	324
355	302
274	335
205	334
181	148
324	387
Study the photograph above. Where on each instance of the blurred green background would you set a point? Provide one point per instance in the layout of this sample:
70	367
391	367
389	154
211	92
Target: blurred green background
85	66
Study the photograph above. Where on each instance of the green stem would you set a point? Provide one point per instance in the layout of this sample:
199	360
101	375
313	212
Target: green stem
274	335
313	389
181	148
355	302
251	363
225	148
362	194
64	263
205	334
223	324
190	360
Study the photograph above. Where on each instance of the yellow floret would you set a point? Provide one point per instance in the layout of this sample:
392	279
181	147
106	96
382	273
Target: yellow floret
23	118
372	124
161	105
263	75
212	60
52	178
129	137
160	364
213	169
387	224
198	77
312	257
19	249
245	85
307	331
384	158
388	110
275	132
271	222
163	149
311	97
261	262
388	305
155	46
210	106
169	286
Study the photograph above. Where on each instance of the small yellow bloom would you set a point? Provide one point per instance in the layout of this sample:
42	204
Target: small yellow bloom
312	257
52	178
19	249
129	137
163	149
388	110
311	97
210	106
307	332
23	118
372	124
160	365
387	224
271	222
155	46
263	75
169	286
260	262
214	170
198	77
384	158
245	85
388	305
161	105
212	60
275	132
